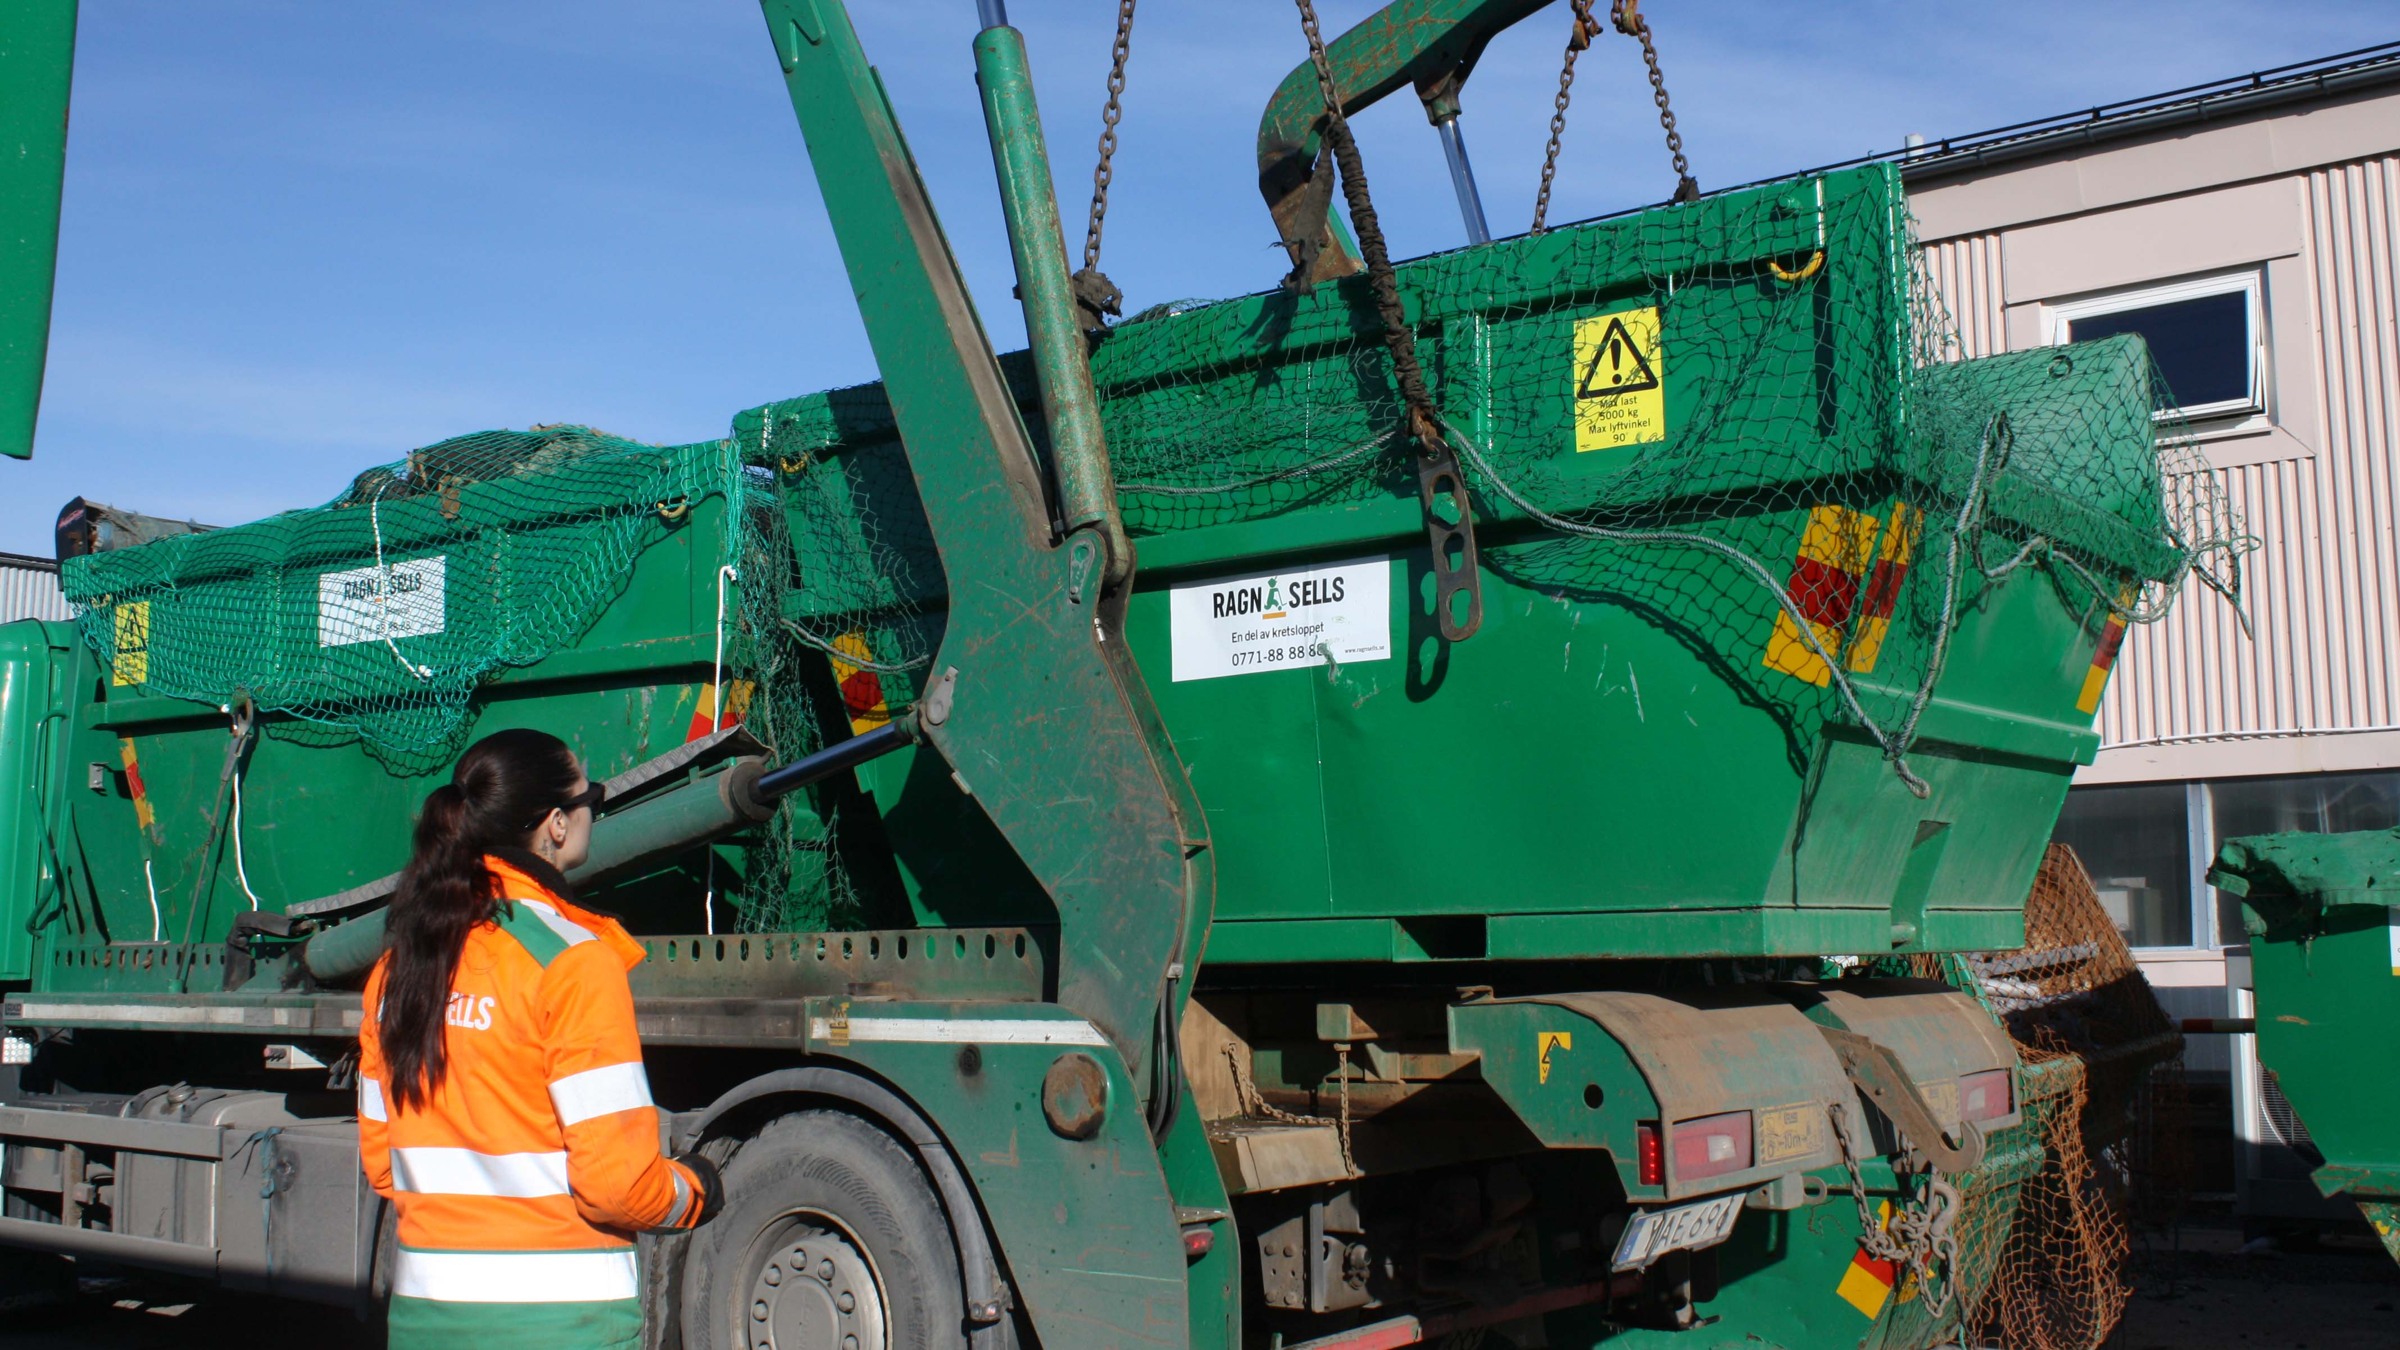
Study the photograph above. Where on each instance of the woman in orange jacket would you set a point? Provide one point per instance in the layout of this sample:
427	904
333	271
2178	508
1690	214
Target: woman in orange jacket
502	1104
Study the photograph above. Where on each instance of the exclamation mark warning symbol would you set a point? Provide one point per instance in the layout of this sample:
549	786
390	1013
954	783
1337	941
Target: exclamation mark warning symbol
1620	387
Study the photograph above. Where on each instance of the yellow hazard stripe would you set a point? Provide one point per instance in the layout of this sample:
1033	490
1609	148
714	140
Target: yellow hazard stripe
1863	1289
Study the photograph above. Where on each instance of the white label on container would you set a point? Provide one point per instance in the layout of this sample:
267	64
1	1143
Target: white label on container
1340	612
370	604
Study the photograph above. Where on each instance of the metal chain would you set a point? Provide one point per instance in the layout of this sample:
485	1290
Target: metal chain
1579	37
1918	1240
1102	173
1627	15
1095	294
1254	1103
1449	514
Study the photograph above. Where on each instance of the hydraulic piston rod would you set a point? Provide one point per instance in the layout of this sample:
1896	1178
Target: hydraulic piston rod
736	797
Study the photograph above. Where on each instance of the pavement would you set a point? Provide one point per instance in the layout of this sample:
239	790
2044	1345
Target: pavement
2199	1288
2204	1288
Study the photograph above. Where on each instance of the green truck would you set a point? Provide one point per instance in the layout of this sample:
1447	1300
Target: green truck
1395	806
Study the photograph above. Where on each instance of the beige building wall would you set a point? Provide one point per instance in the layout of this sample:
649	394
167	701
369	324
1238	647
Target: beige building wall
2308	198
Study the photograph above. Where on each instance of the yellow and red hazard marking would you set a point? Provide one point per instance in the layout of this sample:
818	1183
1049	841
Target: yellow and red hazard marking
705	717
144	813
1845	583
1868	1282
2095	680
862	688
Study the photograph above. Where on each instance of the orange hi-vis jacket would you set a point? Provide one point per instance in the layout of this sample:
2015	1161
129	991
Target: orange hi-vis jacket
520	1182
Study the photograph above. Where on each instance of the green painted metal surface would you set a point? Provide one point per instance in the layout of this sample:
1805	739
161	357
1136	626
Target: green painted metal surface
1042	718
2323	913
1088	1225
37	63
1614	766
36	661
1629	775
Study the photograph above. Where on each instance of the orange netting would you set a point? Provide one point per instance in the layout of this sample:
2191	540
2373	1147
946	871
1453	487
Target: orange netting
2101	1065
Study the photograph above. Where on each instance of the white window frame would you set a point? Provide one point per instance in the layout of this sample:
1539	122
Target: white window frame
2249	282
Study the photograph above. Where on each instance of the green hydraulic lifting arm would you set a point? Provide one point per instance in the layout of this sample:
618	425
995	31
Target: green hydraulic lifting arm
1432	44
1035	702
37	62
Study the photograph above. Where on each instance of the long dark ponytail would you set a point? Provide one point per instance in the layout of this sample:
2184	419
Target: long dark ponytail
503	787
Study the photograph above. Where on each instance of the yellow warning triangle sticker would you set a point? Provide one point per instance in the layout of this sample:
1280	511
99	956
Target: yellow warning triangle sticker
1617	365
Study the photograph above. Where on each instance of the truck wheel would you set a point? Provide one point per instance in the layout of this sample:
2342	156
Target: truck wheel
830	1239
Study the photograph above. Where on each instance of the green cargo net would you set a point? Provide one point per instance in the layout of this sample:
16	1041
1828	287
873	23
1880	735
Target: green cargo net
377	615
1746	417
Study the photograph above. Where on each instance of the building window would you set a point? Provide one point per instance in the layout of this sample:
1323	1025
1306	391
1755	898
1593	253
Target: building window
2204	335
2329	803
2136	843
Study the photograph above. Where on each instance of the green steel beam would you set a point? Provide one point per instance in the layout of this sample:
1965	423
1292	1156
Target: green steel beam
1042	718
37	64
1432	44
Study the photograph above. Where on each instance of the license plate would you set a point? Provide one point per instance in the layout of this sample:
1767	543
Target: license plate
1655	1232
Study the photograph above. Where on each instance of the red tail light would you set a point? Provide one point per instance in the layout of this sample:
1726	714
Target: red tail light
1986	1096
1652	1167
1712	1146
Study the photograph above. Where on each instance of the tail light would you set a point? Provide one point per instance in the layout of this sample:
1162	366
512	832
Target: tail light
1712	1146
1653	1162
1986	1096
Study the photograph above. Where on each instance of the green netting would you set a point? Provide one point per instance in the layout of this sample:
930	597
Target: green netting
378	614
1743	415
1742	418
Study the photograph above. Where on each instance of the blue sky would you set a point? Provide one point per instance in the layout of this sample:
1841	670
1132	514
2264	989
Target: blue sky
302	238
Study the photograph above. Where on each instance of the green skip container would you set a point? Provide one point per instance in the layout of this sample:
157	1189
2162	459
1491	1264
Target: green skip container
1792	627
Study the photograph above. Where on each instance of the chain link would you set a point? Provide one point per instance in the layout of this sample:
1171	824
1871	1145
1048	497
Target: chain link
1254	1103
1449	513
1579	37
1627	16
1095	294
1918	1241
1103	172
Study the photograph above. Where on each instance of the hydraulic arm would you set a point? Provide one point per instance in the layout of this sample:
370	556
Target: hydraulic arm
1035	702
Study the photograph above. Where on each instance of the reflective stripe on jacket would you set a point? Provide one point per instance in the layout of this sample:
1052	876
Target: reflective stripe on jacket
520	1181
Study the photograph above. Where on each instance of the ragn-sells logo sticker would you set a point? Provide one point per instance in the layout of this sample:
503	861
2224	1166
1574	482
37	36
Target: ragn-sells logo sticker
1620	380
1341	612
372	604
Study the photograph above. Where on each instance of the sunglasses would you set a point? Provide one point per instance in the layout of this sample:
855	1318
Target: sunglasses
592	796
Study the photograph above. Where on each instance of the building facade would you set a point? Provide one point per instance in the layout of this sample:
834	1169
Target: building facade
2251	231
29	589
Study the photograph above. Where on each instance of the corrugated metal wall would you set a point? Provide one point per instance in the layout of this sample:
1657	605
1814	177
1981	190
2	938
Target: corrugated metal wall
1965	272
29	593
2323	591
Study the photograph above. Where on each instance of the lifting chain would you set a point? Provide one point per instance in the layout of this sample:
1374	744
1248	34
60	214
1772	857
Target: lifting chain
1918	1241
1449	516
1095	294
1255	1103
1586	28
1627	16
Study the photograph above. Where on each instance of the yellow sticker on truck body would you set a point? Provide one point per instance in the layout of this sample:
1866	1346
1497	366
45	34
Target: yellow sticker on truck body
132	663
1620	380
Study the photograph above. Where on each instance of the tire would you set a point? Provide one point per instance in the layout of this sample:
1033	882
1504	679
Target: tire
856	1209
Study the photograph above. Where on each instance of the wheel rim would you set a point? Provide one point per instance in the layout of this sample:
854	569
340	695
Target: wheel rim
812	1287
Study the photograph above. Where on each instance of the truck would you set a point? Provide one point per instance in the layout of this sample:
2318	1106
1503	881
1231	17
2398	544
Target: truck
1414	803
